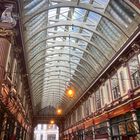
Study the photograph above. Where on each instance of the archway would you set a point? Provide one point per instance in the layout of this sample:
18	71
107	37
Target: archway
46	132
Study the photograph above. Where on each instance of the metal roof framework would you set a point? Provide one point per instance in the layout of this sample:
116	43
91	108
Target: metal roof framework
69	42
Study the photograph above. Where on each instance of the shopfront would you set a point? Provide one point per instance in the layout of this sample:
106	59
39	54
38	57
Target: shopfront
80	134
88	133
123	127
138	116
101	131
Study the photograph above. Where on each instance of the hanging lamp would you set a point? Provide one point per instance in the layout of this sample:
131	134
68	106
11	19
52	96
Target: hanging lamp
59	110
70	91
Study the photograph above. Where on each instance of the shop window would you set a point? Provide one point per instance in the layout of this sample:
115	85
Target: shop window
93	101
89	105
79	112
102	96
101	130
122	128
98	99
10	64
130	127
134	71
122	78
138	116
122	125
108	93
115	87
115	130
86	108
74	116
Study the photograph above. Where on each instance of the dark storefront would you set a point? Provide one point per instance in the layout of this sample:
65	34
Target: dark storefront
101	131
123	127
80	134
88	133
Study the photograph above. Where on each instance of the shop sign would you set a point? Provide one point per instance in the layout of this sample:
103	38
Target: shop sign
100	119
119	111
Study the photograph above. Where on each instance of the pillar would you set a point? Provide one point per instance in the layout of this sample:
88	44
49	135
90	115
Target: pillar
93	132
24	135
84	135
108	130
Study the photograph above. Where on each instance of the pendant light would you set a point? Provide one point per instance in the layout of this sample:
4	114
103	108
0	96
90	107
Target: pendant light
52	121
70	91
59	110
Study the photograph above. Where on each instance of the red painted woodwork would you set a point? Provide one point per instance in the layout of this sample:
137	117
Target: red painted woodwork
137	103
88	123
100	119
81	126
14	106
74	129
121	110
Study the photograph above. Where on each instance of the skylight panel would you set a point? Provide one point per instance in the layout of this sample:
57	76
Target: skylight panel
36	6
102	2
52	13
78	16
63	10
93	17
84	1
74	29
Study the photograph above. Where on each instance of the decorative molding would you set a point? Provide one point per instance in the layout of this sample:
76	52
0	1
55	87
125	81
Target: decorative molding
123	61
136	48
8	34
5	32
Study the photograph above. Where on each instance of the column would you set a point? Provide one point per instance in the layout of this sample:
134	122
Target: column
24	137
84	135
57	136
93	131
108	130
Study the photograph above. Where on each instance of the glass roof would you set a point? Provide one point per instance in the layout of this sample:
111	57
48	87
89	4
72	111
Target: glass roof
69	42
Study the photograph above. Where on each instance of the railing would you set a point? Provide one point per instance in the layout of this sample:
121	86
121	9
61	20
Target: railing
12	102
129	96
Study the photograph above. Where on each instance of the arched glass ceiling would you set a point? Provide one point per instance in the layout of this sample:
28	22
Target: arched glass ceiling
69	42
